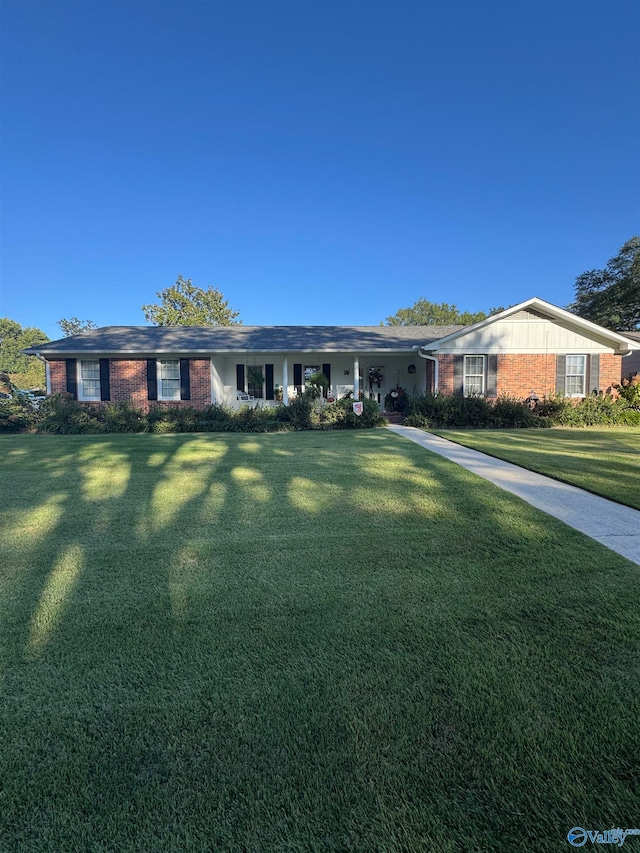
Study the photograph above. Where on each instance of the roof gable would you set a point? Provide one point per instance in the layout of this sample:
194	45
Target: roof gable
545	310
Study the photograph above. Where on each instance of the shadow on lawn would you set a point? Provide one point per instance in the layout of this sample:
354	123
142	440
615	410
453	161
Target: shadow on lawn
324	640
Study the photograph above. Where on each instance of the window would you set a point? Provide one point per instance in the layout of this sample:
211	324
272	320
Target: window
576	375
89	379
473	374
169	379
255	381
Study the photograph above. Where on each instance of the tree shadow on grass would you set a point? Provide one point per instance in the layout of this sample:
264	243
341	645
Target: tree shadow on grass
320	641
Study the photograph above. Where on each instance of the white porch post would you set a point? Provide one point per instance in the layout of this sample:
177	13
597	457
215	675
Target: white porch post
356	378
285	381
217	386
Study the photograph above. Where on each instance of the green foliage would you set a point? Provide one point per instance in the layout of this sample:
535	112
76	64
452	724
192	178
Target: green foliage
184	304
318	384
425	313
444	411
611	297
26	371
629	391
17	414
62	415
440	411
74	326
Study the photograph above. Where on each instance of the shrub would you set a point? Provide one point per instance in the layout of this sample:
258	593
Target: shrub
122	417
63	415
629	391
17	414
596	411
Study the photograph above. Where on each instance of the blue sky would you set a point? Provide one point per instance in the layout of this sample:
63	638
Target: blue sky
318	162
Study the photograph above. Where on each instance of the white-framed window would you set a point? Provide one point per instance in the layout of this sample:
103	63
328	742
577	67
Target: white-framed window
576	376
169	379
473	375
88	379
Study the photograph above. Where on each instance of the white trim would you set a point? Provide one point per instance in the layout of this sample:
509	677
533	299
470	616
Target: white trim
80	381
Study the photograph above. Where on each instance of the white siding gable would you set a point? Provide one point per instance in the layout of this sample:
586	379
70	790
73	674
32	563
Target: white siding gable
525	332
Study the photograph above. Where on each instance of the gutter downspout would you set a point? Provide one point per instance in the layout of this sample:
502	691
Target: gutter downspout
47	372
432	358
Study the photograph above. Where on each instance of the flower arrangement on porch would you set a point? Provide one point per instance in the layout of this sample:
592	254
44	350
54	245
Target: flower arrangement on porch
396	400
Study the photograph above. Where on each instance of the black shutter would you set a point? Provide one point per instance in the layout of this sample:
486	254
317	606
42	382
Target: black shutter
185	379
561	373
268	380
458	375
297	378
594	373
492	376
105	385
240	377
72	377
152	379
326	369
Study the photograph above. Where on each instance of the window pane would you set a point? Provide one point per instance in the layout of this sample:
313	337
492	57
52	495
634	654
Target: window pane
575	364
169	369
90	370
473	385
474	365
170	388
575	385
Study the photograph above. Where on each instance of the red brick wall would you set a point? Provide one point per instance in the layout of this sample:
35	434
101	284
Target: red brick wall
445	373
519	373
610	369
128	381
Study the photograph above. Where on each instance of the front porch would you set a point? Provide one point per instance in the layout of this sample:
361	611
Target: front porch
268	379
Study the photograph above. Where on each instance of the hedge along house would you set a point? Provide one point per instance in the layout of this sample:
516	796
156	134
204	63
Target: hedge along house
531	346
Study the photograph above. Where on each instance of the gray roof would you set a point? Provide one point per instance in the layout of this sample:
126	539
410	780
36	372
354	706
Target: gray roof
141	340
634	336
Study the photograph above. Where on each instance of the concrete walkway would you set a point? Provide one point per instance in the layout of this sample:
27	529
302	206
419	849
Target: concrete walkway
612	524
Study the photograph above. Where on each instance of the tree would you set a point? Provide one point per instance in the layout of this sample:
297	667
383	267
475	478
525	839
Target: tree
425	313
25	371
611	297
184	304
73	326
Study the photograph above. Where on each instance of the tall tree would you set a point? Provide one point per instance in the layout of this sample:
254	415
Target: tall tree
25	371
611	297
73	326
184	304
425	313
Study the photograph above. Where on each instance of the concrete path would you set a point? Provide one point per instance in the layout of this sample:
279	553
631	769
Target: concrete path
612	524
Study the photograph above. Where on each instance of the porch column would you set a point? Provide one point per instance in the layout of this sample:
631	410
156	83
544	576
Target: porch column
285	381
217	385
356	378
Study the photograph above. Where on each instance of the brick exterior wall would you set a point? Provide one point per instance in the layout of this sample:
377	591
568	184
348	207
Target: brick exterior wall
128	381
519	373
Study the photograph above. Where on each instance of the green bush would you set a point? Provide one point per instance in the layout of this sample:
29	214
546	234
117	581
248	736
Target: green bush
17	414
629	391
597	411
63	415
452	411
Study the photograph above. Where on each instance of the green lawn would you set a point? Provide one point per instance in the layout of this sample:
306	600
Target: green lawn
302	642
603	461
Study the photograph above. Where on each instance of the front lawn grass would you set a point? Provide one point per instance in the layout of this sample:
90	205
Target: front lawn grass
605	461
302	642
